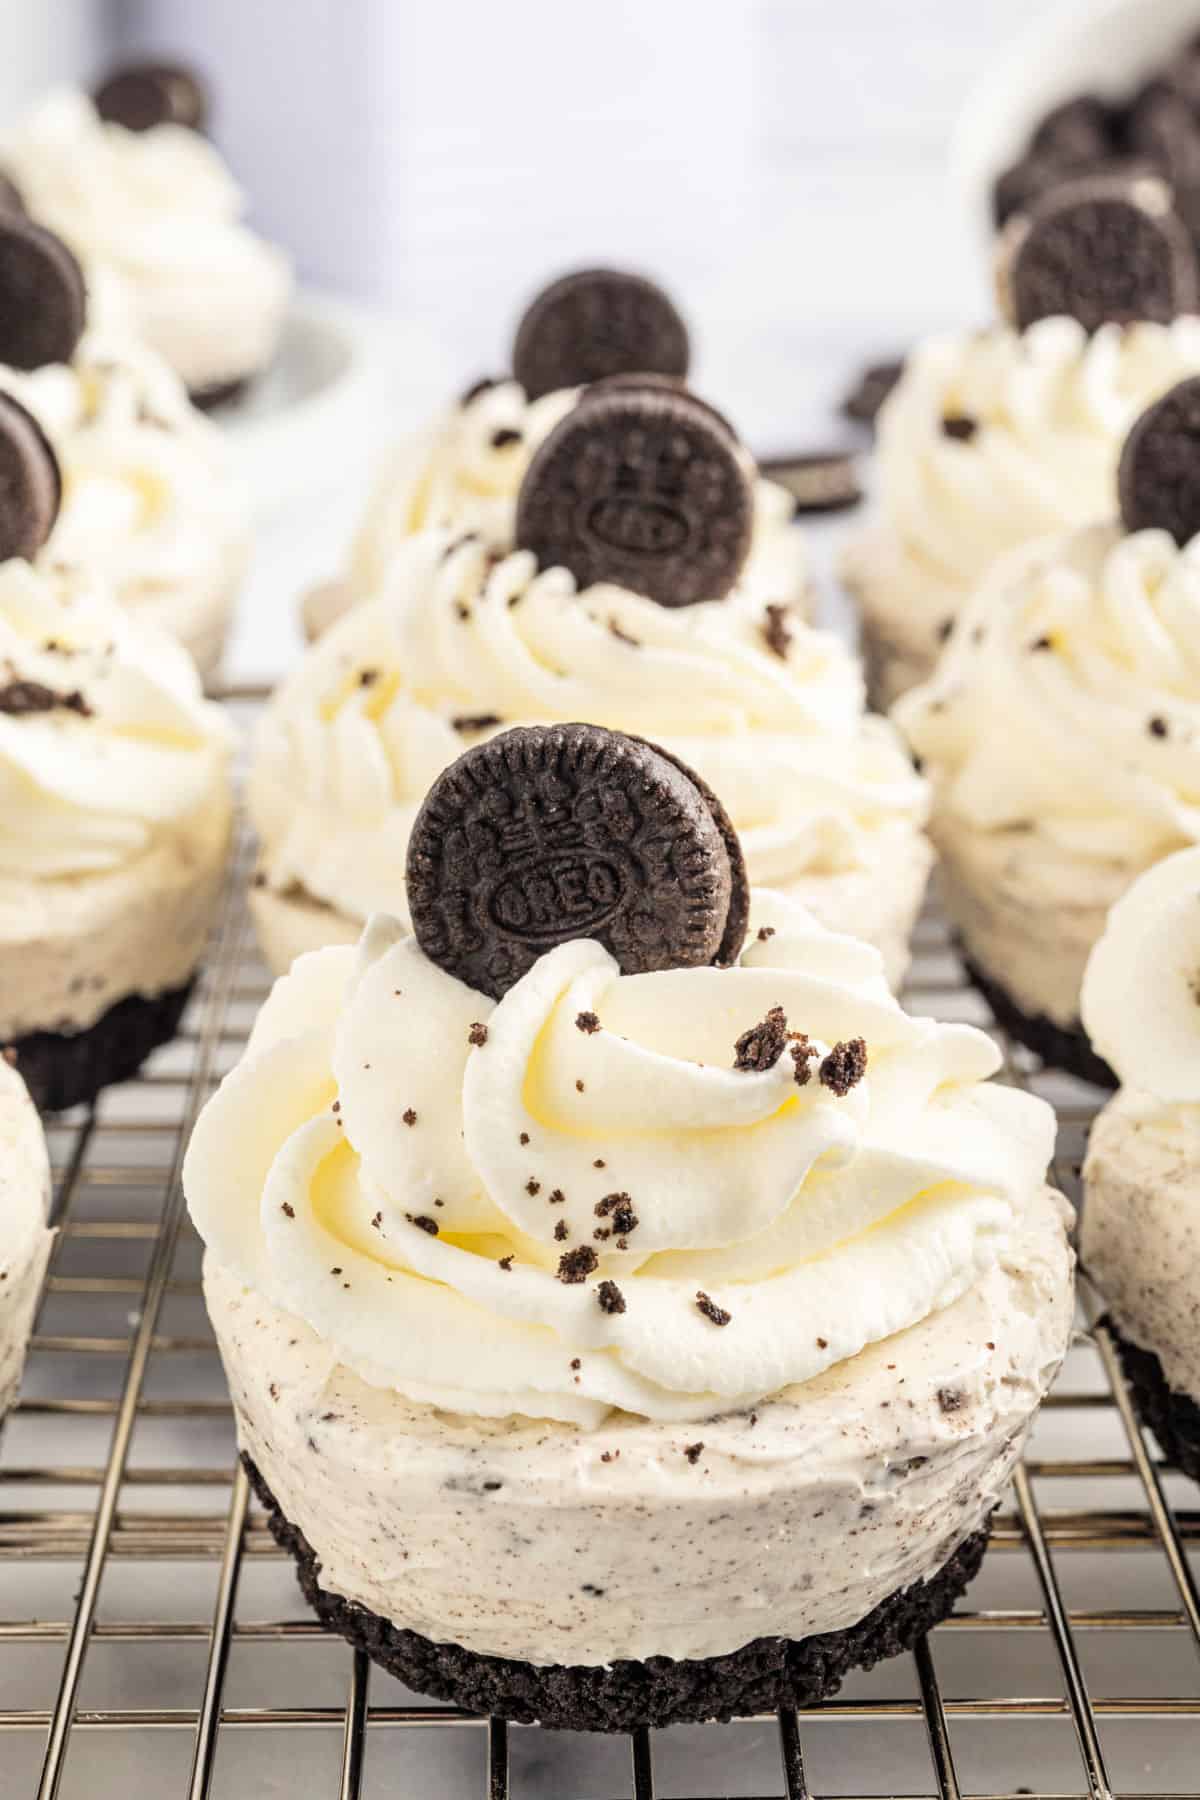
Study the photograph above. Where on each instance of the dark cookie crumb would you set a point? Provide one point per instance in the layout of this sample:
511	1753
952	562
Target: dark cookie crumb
777	631
618	1207
469	722
368	677
765	932
478	1035
561	1233
760	1048
610	1298
694	1452
377	1221
506	1263
524	1138
844	1067
423	1222
579	1087
599	1163
409	1116
505	436
555	1197
822	1343
576	1363
576	1265
288	1209
20	698
960	426
717	1314
587	1022
1157	726
951	1400
1042	643
533	1186
803	1053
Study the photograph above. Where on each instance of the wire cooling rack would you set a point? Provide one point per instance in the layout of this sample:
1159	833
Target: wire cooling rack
152	1639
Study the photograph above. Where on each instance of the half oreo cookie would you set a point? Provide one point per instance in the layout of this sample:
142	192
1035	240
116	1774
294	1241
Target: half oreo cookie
43	301
553	832
1158	478
595	323
141	95
1099	250
30	482
641	487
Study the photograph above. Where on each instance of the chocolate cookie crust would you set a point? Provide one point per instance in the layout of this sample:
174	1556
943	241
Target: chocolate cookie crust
768	1673
1174	1418
1060	1046
64	1069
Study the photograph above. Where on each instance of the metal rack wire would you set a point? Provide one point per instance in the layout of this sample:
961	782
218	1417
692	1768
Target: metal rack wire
138	1643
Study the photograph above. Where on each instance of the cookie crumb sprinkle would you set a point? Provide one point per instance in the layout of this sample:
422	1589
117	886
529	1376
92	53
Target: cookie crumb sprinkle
765	933
561	1233
844	1067
576	1265
802	1053
717	1315
610	1298
1157	726
409	1116
960	426
478	1035
587	1022
288	1210
694	1452
556	1197
423	1223
533	1186
760	1048
776	630
506	1263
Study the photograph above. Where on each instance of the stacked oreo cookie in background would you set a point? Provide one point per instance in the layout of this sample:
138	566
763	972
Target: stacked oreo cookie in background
1154	131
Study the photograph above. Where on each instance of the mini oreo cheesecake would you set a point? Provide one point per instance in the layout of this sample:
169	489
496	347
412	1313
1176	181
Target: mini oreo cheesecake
464	471
994	438
115	807
25	1239
127	179
148	497
631	1315
1140	1238
1061	734
626	602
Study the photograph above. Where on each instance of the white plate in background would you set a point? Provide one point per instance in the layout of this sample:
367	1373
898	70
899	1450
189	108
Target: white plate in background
345	381
1105	47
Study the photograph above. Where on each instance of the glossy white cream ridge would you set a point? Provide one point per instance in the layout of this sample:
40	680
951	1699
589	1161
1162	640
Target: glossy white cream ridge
114	820
161	210
1051	407
1061	734
821	796
856	1216
1141	1229
149	502
24	1238
455	475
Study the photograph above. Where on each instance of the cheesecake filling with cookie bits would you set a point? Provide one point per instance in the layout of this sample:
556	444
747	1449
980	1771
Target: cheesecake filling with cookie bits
589	1183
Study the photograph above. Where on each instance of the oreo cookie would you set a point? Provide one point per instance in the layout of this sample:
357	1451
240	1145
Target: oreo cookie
142	95
595	323
1099	250
553	832
643	488
43	301
819	481
863	401
1158	479
30	482
654	384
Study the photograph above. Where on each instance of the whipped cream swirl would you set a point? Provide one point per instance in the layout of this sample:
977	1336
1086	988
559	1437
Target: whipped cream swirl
464	472
106	746
1068	698
161	210
148	501
1141	992
570	1201
1046	412
463	643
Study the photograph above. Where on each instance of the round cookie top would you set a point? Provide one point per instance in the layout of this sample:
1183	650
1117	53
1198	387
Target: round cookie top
43	301
594	323
141	95
546	834
30	482
644	488
1158	479
1099	250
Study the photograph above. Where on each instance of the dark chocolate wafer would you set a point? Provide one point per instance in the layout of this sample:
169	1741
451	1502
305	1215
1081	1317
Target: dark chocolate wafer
142	95
30	482
1099	250
1158	479
642	488
553	832
594	323
43	301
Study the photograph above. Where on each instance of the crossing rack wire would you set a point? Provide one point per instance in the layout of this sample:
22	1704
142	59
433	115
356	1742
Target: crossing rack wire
152	1639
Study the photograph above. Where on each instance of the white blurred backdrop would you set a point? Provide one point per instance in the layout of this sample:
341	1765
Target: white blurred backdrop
779	163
